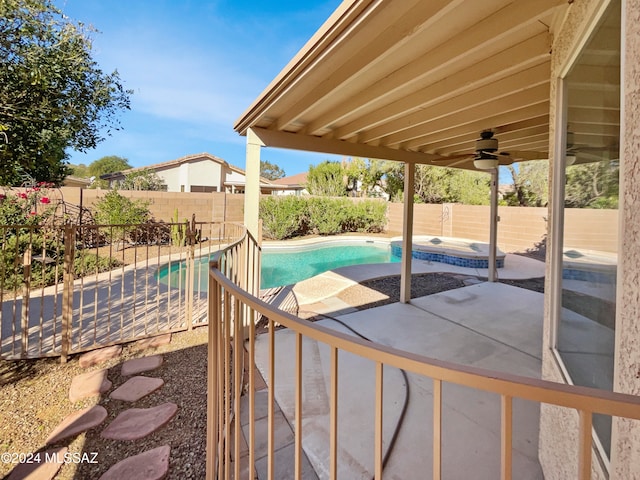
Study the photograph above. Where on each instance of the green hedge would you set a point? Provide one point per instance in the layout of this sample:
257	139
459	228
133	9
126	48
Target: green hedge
289	216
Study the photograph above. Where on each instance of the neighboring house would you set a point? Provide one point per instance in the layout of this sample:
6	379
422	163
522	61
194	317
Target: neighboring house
293	185
71	181
201	172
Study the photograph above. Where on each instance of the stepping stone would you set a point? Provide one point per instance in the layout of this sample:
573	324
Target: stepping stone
137	423
139	365
153	342
40	469
89	385
78	422
149	465
98	356
135	388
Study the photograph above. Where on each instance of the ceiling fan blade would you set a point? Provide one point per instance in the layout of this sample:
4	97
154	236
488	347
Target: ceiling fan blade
525	154
446	158
587	148
459	162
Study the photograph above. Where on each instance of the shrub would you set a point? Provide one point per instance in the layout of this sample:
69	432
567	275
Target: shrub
31	206
366	216
87	264
115	209
283	217
327	215
286	217
12	259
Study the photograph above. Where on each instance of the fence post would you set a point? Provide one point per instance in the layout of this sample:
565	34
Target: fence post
67	289
191	241
24	324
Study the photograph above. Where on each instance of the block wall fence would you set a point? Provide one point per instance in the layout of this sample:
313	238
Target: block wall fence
519	228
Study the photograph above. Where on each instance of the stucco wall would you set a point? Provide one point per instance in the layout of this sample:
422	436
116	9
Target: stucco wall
626	433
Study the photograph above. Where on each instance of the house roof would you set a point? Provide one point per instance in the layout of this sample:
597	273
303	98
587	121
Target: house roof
299	179
416	81
179	161
73	181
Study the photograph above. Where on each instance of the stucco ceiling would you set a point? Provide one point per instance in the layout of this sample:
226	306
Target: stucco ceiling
416	81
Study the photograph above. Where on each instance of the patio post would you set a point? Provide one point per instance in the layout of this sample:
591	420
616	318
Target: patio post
252	182
493	225
407	233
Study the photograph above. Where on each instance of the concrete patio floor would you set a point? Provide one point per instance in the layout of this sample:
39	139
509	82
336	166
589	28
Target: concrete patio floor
489	325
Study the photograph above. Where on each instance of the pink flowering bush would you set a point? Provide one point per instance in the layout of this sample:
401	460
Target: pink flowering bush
29	207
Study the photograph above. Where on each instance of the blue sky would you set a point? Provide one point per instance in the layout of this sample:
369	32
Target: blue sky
194	67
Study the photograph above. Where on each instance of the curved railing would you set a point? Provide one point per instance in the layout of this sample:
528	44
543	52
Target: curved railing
233	313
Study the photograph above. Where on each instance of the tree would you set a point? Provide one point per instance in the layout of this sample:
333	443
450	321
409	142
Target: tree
530	184
270	171
363	175
394	176
470	188
592	185
327	178
438	184
145	179
53	96
80	170
104	165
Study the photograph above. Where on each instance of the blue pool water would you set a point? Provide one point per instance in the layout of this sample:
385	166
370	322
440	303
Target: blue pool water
286	266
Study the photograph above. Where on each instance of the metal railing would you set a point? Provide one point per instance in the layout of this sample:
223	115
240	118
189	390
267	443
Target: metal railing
233	313
72	288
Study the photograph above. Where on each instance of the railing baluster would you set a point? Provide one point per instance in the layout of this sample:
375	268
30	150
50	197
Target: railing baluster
271	409
437	429
379	421
584	445
227	382
298	426
238	353
333	416
222	374
26	296
212	377
506	437
252	392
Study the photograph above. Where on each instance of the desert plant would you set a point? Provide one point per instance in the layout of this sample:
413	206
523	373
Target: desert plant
365	216
283	217
327	215
121	212
178	231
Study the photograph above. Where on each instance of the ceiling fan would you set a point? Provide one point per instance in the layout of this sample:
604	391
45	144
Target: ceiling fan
584	153
488	156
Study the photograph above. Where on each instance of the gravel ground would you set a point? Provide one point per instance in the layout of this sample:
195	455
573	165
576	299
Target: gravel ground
34	399
34	393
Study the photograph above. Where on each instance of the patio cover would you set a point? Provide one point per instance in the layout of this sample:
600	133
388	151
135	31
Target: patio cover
413	81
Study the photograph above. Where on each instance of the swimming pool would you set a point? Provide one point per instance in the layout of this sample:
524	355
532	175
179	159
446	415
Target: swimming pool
288	265
284	266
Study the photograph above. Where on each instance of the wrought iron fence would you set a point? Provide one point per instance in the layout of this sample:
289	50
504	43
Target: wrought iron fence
71	288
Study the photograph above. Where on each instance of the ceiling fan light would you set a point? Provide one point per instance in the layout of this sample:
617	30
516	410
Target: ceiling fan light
485	163
569	160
